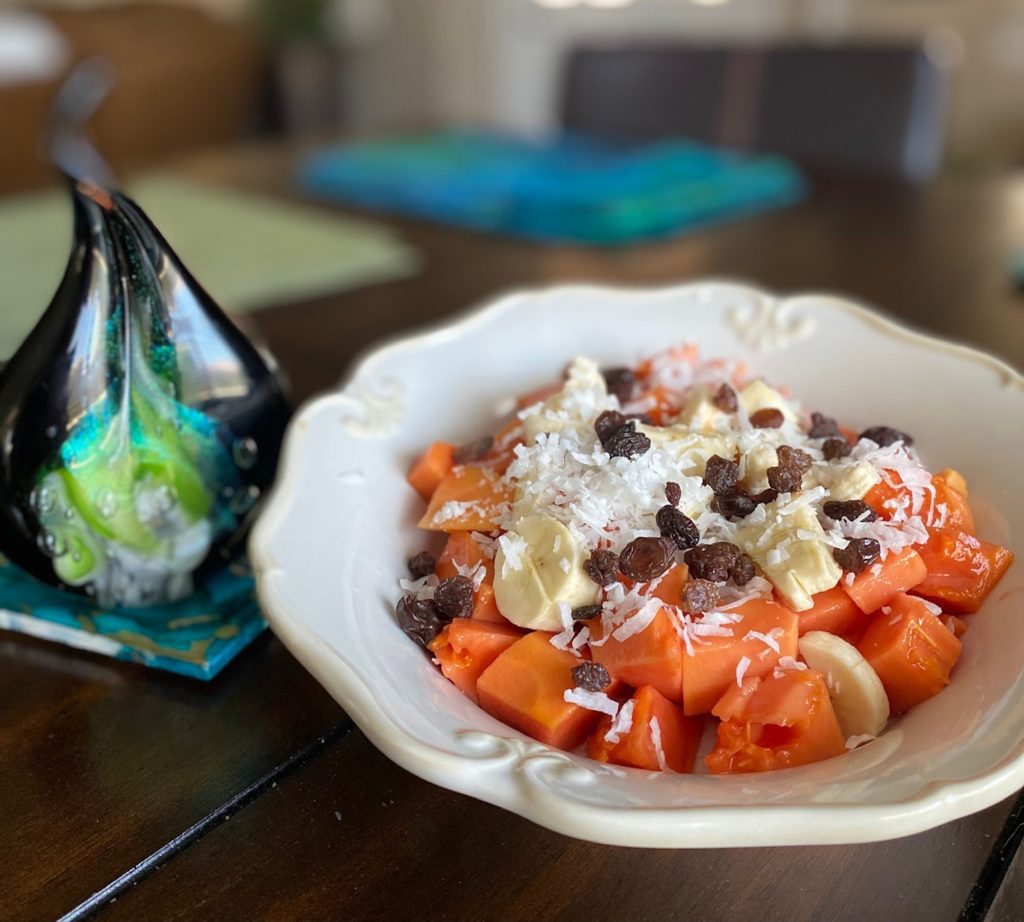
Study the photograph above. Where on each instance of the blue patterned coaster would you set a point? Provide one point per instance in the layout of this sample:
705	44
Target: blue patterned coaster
196	637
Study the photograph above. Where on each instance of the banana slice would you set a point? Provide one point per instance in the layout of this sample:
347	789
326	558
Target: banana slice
700	414
688	448
759	396
857	694
755	467
843	481
582	397
792	554
545	568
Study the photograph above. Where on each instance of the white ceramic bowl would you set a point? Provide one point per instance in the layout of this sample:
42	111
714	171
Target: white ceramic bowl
334	539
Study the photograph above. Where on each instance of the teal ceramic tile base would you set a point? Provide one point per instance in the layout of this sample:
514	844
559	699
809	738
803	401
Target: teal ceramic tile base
195	637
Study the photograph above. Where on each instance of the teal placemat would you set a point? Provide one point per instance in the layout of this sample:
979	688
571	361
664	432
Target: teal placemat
195	637
248	250
568	188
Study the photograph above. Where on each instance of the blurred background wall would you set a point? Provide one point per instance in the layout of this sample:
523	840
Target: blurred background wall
498	61
203	72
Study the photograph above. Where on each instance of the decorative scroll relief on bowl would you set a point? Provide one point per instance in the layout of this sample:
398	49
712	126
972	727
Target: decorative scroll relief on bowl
527	756
767	323
374	412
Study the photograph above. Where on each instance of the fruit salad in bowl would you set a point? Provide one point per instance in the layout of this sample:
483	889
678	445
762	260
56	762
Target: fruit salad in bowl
716	596
641	558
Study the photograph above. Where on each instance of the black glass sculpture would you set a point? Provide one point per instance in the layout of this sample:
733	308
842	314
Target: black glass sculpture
139	426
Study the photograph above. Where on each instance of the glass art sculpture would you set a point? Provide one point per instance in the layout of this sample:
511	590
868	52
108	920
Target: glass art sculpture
139	426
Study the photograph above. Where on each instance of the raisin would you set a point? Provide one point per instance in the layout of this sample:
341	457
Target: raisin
591	677
721	474
626	442
735	505
586	612
608	423
833	449
822	427
712	561
742	572
418	619
788	475
421	564
644	559
677	527
725	399
453	598
601	567
699	596
886	435
621	382
473	451
794	458
859	554
768	418
765	496
785	479
673	493
849	510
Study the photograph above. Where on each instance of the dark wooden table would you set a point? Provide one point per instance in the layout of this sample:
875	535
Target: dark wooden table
132	794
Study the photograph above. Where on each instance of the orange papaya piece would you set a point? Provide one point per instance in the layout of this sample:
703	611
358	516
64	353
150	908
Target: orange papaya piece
772	723
525	687
833	611
656	722
710	668
874	587
466	647
961	569
468	499
430	468
653	656
912	651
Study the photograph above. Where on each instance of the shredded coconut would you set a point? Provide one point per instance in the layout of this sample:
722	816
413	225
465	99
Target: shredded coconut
656	740
622	723
638	622
769	640
741	669
854	741
453	509
476	573
563	640
592	701
513	546
422	588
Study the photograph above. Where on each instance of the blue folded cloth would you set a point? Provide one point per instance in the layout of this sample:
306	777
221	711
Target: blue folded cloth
196	637
570	189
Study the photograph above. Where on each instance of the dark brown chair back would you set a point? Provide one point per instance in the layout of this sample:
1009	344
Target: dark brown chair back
876	109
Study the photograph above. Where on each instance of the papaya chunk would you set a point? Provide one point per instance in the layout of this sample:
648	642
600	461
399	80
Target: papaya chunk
654	656
466	647
525	687
430	468
468	499
710	668
912	651
775	723
961	569
876	586
656	721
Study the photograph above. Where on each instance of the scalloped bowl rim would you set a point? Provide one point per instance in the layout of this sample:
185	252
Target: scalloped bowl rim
684	826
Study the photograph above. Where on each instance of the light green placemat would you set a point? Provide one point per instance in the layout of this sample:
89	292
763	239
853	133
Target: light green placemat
247	250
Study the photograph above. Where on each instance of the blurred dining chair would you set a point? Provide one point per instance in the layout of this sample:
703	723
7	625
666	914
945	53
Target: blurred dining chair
645	93
868	109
